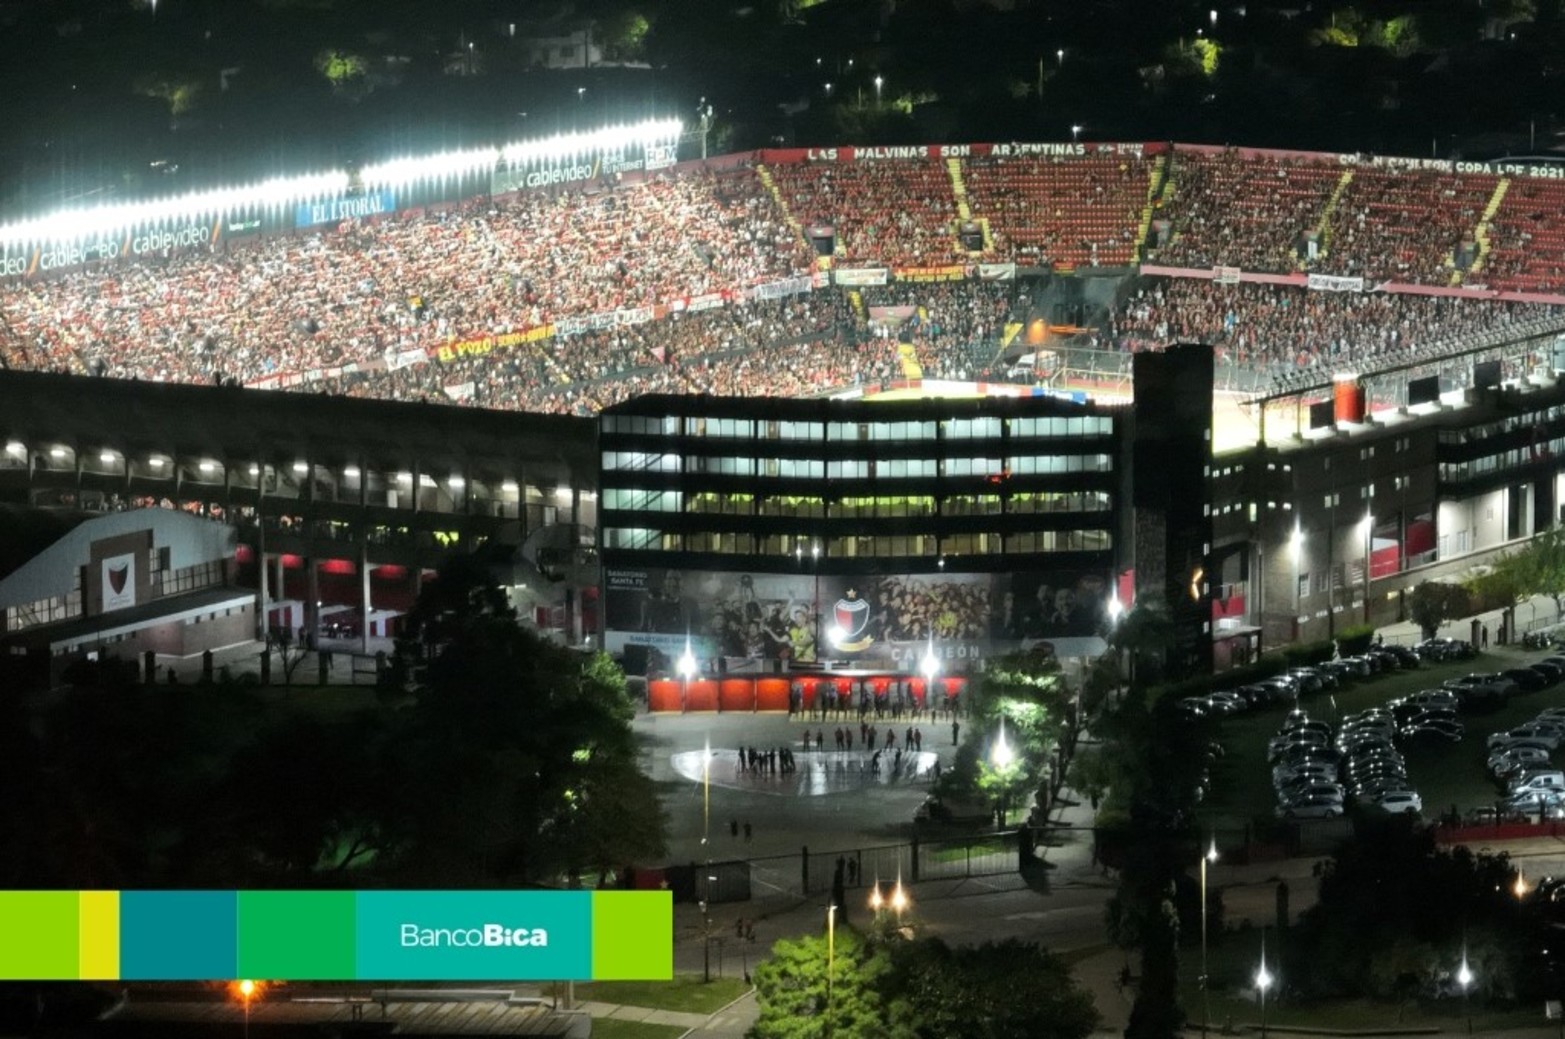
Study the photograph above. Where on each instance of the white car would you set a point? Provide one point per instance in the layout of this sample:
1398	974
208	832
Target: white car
1400	802
1519	757
1547	735
1227	703
1315	808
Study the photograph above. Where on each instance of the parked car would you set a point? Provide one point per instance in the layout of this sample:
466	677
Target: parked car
1400	802
1225	704
1405	656
1509	760
1527	680
1445	649
1320	808
1448	732
1548	735
1552	674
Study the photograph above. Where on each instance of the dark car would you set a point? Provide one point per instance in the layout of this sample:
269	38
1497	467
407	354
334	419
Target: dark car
1527	680
1405	655
1552	673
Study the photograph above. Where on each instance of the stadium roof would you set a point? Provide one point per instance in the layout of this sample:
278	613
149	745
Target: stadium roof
282	425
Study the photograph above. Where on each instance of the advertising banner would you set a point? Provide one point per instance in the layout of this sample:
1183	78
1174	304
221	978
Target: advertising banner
1330	283
348	207
875	621
336	935
859	276
119	582
1226	275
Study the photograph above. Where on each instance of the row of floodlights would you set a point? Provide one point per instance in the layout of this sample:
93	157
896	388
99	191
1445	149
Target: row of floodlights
76	224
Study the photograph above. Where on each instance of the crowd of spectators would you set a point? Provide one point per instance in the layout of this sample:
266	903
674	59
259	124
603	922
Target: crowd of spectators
956	326
1043	210
1527	238
1281	326
899	213
355	293
1225	209
1404	225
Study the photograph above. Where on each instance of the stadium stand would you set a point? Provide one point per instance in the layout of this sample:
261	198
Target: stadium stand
1528	238
1403	225
901	213
1252	213
1077	210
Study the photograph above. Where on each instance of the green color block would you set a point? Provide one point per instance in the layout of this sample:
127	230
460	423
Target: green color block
39	935
632	935
297	935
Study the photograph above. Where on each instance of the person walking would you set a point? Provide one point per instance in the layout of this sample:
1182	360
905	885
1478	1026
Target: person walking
956	733
747	831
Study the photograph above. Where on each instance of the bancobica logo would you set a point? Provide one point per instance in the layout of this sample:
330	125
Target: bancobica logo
489	936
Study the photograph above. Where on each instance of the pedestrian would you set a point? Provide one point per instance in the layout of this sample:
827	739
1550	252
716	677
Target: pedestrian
747	831
956	733
907	740
820	741
1486	636
733	828
863	730
839	737
739	928
749	930
849	735
806	739
741	759
853	871
918	739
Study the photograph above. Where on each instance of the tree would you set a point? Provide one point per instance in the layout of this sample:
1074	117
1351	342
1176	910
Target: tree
290	651
530	738
997	990
1432	603
1538	568
791	990
344	70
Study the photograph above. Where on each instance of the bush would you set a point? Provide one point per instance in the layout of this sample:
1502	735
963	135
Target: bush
1356	640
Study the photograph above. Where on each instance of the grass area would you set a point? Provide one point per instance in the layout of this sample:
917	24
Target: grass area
686	992
615	1028
1232	963
956	850
1443	774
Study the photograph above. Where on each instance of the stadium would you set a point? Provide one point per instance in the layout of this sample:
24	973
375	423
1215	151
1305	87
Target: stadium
1342	300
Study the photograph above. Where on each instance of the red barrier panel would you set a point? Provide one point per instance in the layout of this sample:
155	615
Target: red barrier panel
811	687
771	694
702	695
736	694
663	695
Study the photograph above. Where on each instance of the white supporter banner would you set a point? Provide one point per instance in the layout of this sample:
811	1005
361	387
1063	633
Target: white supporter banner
1332	283
462	390
572	326
786	287
854	276
1226	275
404	358
996	271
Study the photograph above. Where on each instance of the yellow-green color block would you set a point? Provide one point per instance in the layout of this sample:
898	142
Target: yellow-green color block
99	934
38	937
632	935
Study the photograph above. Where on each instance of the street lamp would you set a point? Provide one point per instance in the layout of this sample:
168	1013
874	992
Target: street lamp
1263	981
1076	133
687	667
1213	14
899	900
706	845
929	667
247	990
1520	887
1464	978
878	82
831	958
1206	1006
1369	547
1001	755
1059	55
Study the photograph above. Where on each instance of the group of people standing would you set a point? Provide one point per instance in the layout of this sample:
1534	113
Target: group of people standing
869	736
776	761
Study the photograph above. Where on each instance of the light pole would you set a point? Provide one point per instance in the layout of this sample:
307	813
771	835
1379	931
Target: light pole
1076	133
1206	1005
687	667
706	846
1295	549
1369	548
246	993
878	82
930	668
1002	756
831	958
1263	981
1464	978
899	900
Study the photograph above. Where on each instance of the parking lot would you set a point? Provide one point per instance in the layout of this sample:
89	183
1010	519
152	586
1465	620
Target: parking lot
1446	775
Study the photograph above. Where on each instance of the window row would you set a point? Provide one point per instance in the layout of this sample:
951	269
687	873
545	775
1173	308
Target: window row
984	427
859	546
856	468
741	504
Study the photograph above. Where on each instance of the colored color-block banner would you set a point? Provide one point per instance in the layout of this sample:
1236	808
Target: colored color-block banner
336	935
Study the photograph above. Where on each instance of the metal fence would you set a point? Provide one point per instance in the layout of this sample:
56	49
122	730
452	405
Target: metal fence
954	858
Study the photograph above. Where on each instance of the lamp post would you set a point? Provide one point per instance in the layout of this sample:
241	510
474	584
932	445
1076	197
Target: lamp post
1059	55
1263	981
1369	547
1464	978
878	82
1295	549
246	993
687	667
929	667
1076	132
831	958
1002	757
899	900
1206	1005
706	846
